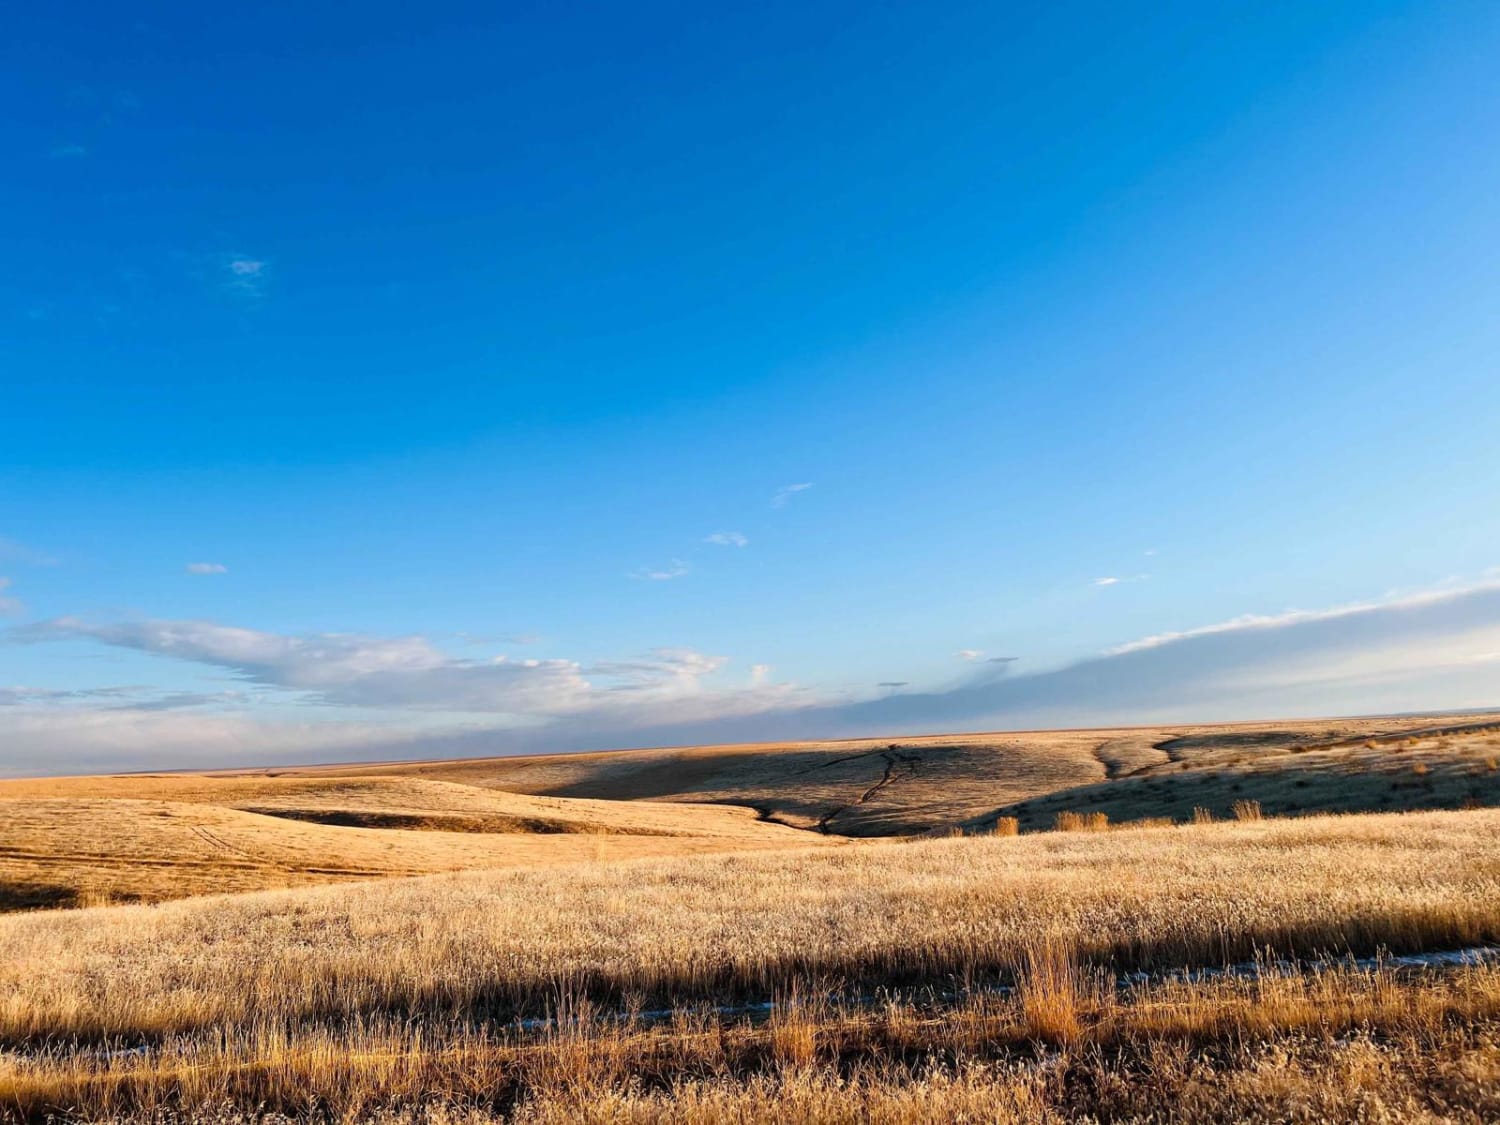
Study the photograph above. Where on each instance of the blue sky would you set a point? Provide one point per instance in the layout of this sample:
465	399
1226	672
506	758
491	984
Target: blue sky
520	377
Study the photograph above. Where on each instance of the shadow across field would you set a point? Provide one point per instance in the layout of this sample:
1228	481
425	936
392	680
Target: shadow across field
1286	776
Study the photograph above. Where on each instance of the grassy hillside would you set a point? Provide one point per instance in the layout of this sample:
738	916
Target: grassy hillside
144	838
98	840
877	787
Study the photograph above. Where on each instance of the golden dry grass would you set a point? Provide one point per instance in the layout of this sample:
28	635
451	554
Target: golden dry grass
75	841
1343	1044
1287	773
875	787
588	887
498	944
65	850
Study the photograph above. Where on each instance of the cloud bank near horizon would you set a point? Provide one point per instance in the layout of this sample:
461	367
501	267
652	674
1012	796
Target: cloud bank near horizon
1428	651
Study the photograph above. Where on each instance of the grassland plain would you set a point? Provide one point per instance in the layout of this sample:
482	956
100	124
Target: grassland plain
714	934
144	838
350	1001
880	787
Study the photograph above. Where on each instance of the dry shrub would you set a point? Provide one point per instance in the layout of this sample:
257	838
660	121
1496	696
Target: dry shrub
1007	826
1421	769
1246	810
1068	821
1202	815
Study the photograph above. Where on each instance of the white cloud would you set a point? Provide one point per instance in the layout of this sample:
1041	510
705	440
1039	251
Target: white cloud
246	275
343	668
1419	653
8	605
786	492
46	743
1115	581
206	568
1426	651
404	673
675	569
727	539
971	654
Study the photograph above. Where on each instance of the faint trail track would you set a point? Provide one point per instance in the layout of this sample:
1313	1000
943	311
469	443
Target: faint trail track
213	840
894	759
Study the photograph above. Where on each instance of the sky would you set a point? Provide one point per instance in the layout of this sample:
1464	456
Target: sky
483	378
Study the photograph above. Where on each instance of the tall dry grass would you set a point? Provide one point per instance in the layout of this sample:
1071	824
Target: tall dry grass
487	946
1117	1055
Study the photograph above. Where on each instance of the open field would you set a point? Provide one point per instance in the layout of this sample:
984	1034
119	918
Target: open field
880	787
723	927
720	934
1346	1045
144	838
147	839
398	995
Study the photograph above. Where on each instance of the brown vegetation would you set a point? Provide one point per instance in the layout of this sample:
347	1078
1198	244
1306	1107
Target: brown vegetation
586	959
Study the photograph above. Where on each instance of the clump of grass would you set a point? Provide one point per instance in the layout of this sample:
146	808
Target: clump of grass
1051	990
1202	815
1068	821
1421	769
1007	826
1246	810
794	1028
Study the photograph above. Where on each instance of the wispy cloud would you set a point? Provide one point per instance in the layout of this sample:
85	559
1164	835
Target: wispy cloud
675	569
726	539
971	654
356	670
785	493
1428	650
1114	580
8	605
12	551
247	275
50	742
122	697
206	568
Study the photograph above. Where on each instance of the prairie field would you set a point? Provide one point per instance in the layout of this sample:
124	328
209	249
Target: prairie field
1201	923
